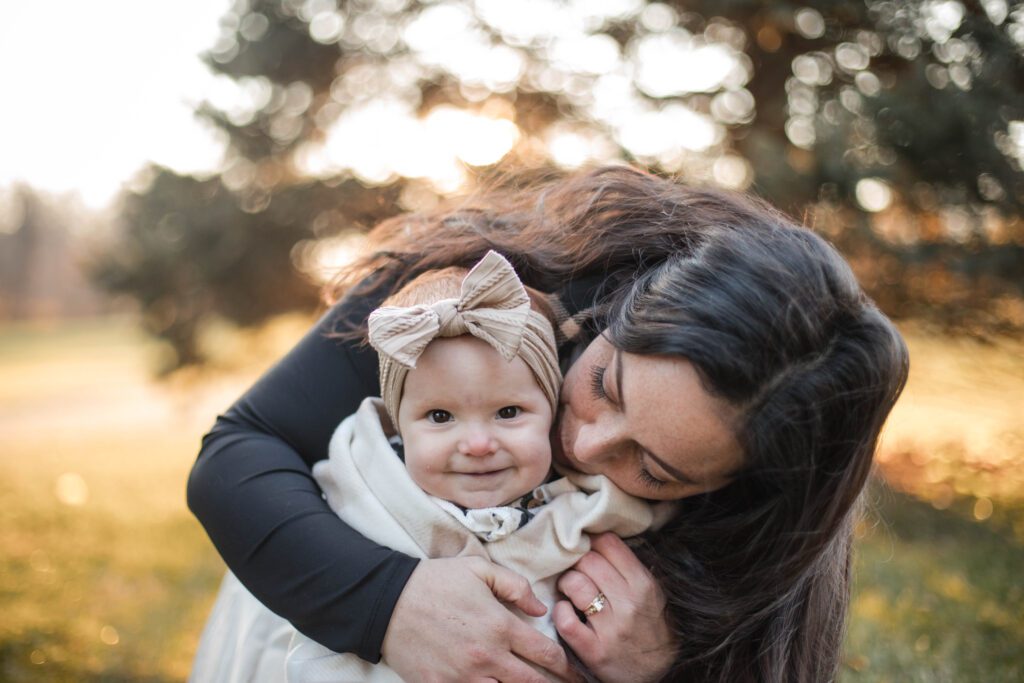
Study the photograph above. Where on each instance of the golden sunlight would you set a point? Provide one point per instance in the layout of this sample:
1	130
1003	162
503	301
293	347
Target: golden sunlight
383	139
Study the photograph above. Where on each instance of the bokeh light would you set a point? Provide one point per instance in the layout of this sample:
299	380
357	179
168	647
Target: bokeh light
381	140
675	62
109	635
873	194
71	489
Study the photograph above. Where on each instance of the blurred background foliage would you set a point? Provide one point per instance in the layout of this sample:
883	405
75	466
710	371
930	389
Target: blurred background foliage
895	128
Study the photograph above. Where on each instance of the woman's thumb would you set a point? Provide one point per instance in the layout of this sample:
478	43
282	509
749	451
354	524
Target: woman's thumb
512	588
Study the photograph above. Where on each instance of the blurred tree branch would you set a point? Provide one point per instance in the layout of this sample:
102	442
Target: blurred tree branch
895	127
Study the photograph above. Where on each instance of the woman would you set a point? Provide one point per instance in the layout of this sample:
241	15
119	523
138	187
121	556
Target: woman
727	359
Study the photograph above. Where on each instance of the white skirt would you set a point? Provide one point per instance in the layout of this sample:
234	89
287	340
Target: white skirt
243	642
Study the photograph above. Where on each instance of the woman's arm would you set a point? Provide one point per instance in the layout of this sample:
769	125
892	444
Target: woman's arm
252	490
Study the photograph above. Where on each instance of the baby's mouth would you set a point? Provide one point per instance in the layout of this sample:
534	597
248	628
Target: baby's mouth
557	447
558	452
483	473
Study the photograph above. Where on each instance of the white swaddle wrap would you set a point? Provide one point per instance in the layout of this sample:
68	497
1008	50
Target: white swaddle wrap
367	485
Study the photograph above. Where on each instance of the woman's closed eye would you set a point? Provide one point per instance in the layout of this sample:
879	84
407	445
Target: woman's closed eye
644	476
597	373
509	412
438	416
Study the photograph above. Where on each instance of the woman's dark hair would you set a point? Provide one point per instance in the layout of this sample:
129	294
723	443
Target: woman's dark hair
776	324
757	574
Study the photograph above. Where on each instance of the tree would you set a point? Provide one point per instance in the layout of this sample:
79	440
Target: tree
40	273
895	127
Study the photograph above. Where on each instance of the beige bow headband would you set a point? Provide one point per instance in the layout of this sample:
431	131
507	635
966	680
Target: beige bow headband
493	306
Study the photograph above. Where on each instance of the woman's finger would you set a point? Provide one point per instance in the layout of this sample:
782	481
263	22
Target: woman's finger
579	588
533	646
630	639
619	555
577	635
608	580
452	600
510	587
514	670
631	589
526	642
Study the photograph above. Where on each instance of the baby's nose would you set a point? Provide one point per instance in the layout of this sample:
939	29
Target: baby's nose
478	442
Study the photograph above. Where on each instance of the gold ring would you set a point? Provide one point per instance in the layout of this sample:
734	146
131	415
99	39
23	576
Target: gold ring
596	605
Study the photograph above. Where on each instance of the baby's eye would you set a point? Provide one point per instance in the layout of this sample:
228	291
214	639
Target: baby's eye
509	412
438	416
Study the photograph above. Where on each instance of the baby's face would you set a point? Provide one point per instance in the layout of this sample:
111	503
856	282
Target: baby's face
476	428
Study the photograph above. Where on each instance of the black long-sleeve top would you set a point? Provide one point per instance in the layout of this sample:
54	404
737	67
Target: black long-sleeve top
252	489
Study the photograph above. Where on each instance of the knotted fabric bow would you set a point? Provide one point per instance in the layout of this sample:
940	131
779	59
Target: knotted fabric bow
493	306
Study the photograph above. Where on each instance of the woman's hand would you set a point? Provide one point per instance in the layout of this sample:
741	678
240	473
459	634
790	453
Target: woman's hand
447	626
629	639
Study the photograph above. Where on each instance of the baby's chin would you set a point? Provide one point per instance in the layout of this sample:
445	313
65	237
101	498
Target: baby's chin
489	500
481	496
493	499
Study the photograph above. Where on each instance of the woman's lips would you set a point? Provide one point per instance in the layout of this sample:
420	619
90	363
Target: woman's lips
561	443
559	453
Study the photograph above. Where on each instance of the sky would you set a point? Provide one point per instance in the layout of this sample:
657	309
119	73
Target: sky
92	90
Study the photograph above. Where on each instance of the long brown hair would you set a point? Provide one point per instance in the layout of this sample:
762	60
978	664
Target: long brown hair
777	325
757	574
611	221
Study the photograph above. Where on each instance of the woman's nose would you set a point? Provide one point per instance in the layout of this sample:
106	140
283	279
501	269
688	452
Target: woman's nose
595	443
477	441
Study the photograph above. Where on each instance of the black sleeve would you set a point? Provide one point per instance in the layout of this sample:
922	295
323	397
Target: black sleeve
252	489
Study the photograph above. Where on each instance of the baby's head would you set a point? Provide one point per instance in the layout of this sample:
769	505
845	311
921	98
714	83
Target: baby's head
469	377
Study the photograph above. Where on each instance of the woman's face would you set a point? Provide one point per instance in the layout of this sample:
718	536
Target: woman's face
646	423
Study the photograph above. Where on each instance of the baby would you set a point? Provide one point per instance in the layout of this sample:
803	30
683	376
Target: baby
453	459
469	381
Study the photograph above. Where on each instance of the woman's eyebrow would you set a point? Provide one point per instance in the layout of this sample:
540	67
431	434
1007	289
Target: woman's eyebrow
683	479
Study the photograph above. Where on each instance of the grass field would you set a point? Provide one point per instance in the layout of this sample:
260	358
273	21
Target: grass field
105	576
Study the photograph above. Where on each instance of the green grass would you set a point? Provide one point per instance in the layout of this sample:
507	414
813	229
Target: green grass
939	596
105	576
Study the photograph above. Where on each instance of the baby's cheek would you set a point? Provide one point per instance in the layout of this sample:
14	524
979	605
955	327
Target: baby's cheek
417	468
542	456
